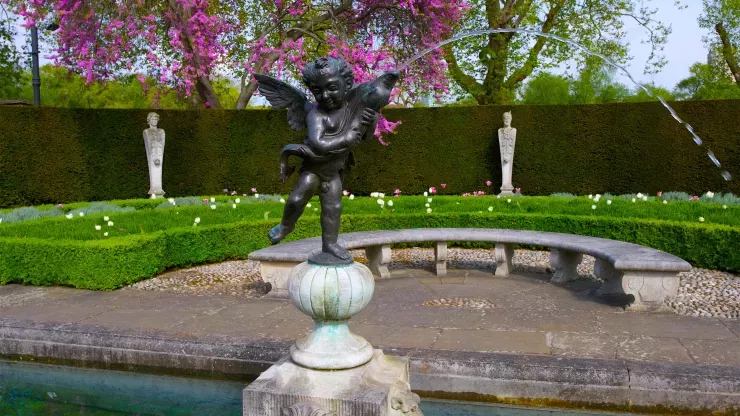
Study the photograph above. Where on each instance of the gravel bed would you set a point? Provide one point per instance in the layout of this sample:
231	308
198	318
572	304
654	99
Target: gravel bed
701	292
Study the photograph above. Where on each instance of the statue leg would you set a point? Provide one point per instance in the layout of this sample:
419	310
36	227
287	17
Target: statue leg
304	189
331	211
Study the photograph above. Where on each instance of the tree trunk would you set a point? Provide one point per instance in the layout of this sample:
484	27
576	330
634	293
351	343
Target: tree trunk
728	52
248	88
206	92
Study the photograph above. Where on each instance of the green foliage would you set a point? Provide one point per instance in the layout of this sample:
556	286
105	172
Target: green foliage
547	88
66	155
106	264
11	72
707	82
28	214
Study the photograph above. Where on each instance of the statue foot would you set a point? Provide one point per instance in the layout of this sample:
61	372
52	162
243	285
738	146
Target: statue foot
277	233
337	251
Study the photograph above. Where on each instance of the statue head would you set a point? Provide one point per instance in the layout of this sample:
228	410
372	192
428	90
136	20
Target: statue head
152	119
507	119
329	80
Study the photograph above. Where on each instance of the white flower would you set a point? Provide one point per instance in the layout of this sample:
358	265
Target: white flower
69	216
282	200
213	199
381	195
639	195
390	203
665	201
97	228
590	196
593	206
724	206
701	219
634	200
429	200
351	196
426	193
171	200
105	234
213	206
197	220
106	218
256	195
645	198
233	206
315	209
597	197
426	205
710	194
82	214
373	194
381	202
429	210
508	201
110	223
490	209
608	202
238	200
308	205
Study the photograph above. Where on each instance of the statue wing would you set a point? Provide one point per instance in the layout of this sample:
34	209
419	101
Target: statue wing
283	95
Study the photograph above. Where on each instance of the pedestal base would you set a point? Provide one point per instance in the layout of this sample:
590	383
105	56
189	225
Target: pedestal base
378	388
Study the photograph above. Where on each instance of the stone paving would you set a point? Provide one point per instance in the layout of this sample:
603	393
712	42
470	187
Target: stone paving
524	314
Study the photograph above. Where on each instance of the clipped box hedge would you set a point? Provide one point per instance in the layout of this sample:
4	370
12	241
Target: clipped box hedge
113	263
53	155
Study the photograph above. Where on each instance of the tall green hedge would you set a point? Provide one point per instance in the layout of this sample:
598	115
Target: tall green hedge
52	155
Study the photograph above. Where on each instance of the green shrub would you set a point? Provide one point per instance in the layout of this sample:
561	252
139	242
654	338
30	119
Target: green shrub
111	263
29	213
65	155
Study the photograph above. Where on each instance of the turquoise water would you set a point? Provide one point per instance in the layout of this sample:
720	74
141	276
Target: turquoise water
29	389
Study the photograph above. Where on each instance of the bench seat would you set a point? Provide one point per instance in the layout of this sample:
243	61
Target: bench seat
647	274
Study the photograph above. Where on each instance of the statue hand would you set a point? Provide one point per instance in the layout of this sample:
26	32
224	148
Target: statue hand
369	116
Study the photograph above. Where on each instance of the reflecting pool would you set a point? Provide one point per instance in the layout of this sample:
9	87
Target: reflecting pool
30	389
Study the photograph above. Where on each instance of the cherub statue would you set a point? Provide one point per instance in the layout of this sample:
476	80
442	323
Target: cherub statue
344	115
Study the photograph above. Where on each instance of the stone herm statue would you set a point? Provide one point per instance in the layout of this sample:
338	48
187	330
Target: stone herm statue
506	143
154	143
344	115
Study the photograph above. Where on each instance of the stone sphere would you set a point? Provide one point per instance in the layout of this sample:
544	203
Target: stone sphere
331	293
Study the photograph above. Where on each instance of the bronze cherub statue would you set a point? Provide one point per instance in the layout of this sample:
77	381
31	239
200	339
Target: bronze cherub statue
344	115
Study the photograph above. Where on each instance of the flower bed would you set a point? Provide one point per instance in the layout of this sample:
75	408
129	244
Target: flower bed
139	244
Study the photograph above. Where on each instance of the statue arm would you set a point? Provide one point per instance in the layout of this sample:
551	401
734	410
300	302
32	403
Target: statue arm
316	141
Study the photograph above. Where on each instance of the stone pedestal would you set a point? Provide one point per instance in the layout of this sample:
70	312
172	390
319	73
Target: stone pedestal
378	388
332	371
565	265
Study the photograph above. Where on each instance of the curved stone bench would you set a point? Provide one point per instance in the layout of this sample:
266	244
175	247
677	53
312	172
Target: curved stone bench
649	275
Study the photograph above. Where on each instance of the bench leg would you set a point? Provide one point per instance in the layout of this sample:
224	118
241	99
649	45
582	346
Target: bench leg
503	255
440	258
379	257
565	264
649	289
277	273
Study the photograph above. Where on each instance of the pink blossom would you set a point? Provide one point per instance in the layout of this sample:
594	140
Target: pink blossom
233	192
444	185
254	190
397	191
345	192
660	193
432	190
489	183
244	194
518	190
60	206
205	201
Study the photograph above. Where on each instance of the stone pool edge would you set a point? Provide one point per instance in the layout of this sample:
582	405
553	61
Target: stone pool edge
478	376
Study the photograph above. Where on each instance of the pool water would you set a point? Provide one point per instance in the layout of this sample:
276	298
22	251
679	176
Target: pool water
29	389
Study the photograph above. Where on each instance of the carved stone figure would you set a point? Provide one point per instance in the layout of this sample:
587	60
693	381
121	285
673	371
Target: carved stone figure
404	402
154	142
305	409
344	114
506	143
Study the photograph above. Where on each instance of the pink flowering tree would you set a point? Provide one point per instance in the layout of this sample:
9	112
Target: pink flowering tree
185	44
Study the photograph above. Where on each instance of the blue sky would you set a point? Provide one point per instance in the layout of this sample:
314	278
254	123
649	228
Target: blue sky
684	47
